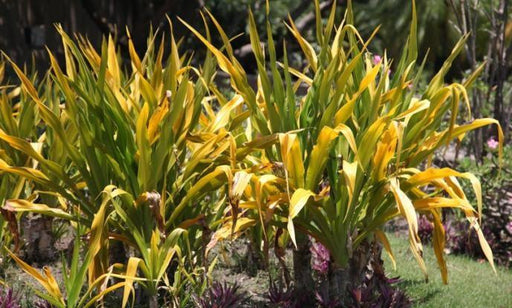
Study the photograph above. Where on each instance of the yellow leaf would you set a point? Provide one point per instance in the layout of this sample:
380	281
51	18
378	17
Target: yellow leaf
349	172
223	61
291	154
144	148
19	205
438	241
156	120
431	174
47	281
308	50
222	116
226	231
345	112
94	300
240	182
440	202
406	208
459	130
381	236
349	136
416	106
135	60
299	199
369	77
98	240
214	179
131	271
319	157
385	152
112	64
299	75
370	139
483	242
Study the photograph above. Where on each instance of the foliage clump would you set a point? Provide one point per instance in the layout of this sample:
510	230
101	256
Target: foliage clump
222	295
151	155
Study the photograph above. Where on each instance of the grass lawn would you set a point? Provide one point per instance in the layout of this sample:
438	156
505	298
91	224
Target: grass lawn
470	283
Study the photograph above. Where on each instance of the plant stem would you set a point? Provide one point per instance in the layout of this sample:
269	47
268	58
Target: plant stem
153	301
303	278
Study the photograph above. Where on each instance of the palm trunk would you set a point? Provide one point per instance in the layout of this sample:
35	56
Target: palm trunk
37	234
344	283
303	278
153	301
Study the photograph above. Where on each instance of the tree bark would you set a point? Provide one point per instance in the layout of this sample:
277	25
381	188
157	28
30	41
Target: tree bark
153	301
501	65
344	281
303	278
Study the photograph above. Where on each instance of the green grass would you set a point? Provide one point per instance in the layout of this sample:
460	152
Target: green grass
471	283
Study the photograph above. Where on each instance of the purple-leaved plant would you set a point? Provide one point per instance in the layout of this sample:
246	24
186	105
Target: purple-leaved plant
9	299
320	257
281	298
425	229
326	302
377	291
222	295
43	304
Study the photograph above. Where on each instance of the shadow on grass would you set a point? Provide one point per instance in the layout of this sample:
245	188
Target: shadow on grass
407	284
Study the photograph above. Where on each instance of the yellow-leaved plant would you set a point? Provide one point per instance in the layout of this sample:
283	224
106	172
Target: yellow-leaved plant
123	150
354	152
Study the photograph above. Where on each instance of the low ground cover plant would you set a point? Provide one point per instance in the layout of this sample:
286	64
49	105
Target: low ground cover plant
148	155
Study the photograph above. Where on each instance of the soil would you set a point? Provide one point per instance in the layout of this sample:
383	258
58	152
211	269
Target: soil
234	267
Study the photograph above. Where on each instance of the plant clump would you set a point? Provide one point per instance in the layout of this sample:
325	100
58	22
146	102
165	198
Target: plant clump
222	295
8	298
151	164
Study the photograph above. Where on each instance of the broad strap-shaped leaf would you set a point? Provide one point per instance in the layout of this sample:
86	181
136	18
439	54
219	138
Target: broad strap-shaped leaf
431	174
98	244
385	152
438	242
208	182
483	242
223	115
299	199
306	47
460	130
319	157
20	205
370	138
291	155
406	209
131	271
230	231
47	280
144	148
383	239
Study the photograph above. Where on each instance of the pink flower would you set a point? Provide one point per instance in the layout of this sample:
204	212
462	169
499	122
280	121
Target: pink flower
509	227
320	257
376	59
492	143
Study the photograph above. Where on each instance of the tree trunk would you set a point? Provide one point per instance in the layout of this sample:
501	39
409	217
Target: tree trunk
153	301
253	260
38	238
501	65
344	285
343	282
303	278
